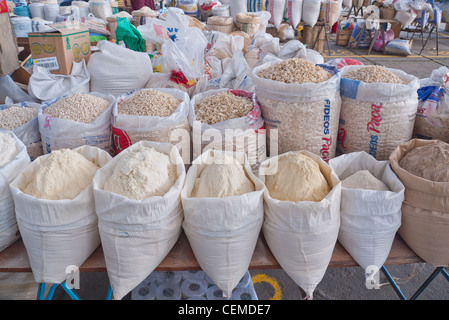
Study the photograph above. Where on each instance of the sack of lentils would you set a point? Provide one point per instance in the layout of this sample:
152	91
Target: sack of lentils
378	109
302	101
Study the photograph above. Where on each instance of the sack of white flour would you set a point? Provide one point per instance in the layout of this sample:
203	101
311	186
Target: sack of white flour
13	158
75	120
139	219
371	200
300	104
222	221
302	214
59	228
378	109
160	115
228	120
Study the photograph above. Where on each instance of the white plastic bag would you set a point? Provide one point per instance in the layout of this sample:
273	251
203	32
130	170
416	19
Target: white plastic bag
58	133
57	234
369	218
302	235
222	232
116	70
136	235
311	12
44	85
9	89
130	129
8	223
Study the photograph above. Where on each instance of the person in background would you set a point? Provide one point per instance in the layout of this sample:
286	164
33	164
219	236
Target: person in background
137	4
67	3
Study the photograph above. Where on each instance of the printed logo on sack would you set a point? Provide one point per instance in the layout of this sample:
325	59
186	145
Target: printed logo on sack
121	140
374	126
72	277
327	141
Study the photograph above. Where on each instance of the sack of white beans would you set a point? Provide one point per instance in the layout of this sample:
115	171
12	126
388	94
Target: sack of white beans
13	159
75	120
378	109
159	115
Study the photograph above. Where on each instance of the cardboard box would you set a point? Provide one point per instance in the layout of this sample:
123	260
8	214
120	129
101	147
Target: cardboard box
9	51
23	74
57	50
343	37
314	35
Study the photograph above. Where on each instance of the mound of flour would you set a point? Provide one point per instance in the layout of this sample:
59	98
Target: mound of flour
363	179
8	148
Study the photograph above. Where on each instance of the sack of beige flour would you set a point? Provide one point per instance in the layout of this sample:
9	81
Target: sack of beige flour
302	214
138	204
160	115
21	118
75	120
378	109
13	158
300	104
222	221
55	210
228	120
432	118
423	168
371	200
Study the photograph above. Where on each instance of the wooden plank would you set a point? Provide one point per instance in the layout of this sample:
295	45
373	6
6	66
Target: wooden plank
9	51
181	257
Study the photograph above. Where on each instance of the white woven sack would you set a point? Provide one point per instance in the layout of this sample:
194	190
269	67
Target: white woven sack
58	133
222	232
137	235
57	233
8	223
369	218
302	235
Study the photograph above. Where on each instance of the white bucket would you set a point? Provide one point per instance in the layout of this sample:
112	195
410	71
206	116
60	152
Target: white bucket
37	10
51	12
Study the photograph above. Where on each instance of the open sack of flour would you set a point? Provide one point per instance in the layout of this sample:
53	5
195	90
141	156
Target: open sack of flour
138	203
423	168
13	158
378	109
371	201
160	115
55	210
302	214
300	103
75	120
223	215
228	120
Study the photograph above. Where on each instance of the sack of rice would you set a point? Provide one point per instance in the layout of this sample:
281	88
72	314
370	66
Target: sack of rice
223	24
228	120
432	118
371	200
300	102
55	210
423	168
378	109
222	220
138	193
13	158
75	120
302	214
248	23
22	120
276	8
330	11
160	115
311	12
294	12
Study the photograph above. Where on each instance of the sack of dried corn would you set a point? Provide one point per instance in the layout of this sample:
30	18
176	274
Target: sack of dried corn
378	109
160	115
432	119
75	120
300	104
13	159
231	120
22	120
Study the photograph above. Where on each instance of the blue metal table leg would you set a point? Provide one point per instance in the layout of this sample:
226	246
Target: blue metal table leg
40	291
393	283
109	294
72	294
51	291
426	283
445	274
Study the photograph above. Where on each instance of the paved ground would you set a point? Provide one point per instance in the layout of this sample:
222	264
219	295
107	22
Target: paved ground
338	283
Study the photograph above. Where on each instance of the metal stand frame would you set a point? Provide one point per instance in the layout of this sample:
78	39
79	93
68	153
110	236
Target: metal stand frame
72	295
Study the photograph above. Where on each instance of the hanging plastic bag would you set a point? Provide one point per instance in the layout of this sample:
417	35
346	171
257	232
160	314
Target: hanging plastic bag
9	89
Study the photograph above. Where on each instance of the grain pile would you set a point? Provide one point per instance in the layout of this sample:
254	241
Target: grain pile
14	117
149	103
8	148
430	161
378	110
298	178
63	174
222	106
295	70
363	179
81	107
374	74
